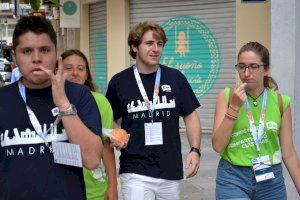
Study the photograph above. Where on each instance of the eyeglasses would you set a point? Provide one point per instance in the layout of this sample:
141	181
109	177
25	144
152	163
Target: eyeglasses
253	67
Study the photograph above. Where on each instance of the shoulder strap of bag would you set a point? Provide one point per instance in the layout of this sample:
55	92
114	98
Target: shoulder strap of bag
230	95
279	97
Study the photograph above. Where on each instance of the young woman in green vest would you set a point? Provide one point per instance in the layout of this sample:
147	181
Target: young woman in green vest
100	183
251	134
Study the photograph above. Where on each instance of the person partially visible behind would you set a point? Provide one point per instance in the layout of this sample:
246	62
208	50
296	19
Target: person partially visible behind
98	185
149	98
253	133
15	75
49	127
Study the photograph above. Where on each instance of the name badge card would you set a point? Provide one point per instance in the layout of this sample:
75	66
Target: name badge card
153	133
262	168
67	154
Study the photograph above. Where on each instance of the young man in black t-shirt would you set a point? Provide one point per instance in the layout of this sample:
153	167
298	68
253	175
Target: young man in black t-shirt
40	157
149	98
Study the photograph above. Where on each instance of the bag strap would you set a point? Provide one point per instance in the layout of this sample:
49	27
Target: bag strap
279	97
230	96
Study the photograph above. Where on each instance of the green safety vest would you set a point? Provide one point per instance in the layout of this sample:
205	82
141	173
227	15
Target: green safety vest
241	147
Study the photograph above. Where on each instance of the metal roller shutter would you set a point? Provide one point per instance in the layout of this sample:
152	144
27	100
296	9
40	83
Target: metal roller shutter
219	17
97	24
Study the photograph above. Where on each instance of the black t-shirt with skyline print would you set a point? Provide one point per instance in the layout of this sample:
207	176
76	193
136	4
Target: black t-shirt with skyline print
27	168
176	99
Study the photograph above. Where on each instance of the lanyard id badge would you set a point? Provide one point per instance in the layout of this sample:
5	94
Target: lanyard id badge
261	165
63	153
67	154
262	168
150	105
153	130
257	132
34	121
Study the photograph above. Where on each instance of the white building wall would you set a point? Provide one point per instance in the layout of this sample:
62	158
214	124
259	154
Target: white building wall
297	77
285	54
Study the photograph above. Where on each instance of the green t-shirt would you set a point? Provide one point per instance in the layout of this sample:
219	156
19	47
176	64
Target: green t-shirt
96	187
241	148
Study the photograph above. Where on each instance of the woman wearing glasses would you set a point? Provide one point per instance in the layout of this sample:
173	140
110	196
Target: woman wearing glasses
98	185
251	134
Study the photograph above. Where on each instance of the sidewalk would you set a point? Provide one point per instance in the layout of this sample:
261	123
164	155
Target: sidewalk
202	186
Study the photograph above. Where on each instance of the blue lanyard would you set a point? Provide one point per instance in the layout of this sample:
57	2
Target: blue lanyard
257	132
33	119
22	92
150	106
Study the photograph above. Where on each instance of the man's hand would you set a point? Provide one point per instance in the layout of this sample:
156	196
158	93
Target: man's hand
193	163
58	86
111	193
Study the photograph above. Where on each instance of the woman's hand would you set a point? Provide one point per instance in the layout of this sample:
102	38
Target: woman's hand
238	97
111	193
120	145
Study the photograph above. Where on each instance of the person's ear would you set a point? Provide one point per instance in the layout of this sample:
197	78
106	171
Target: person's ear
14	56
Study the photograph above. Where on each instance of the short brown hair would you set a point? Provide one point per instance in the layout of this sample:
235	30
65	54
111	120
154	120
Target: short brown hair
137	32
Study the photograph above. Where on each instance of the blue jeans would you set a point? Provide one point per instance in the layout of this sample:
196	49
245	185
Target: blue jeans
238	183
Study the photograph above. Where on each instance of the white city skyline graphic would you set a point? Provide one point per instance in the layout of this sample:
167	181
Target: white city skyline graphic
31	137
141	106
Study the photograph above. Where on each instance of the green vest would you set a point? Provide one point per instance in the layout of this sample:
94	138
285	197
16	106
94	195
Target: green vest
241	147
95	189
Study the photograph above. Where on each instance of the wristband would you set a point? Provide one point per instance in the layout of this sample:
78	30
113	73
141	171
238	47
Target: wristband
229	116
234	109
198	151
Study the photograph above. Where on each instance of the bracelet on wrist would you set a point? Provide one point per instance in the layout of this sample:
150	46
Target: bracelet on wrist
229	116
234	109
197	150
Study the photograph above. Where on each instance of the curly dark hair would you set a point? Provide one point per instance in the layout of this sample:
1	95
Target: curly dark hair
35	24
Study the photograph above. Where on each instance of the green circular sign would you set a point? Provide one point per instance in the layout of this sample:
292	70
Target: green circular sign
69	8
192	49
